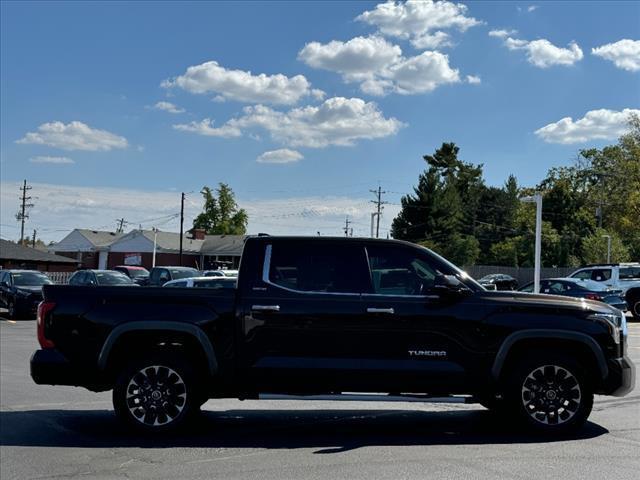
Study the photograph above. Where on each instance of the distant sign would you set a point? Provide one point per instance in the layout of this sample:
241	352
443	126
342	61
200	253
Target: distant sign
133	259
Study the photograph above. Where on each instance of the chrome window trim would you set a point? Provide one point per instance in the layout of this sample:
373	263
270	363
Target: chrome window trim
265	278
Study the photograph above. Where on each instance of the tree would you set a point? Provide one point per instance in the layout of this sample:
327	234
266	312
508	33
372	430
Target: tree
221	215
594	248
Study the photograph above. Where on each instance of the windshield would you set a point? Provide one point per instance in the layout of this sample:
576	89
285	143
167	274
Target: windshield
186	273
453	270
112	278
629	273
138	273
29	279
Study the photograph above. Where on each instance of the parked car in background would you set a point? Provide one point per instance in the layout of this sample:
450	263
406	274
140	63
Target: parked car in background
139	275
21	291
221	273
203	282
633	302
101	278
622	276
158	276
575	287
498	281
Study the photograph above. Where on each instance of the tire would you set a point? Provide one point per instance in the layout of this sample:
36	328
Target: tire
549	393
157	393
634	306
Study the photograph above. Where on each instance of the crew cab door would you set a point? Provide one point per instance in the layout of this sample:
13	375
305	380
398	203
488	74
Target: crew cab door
424	338
301	315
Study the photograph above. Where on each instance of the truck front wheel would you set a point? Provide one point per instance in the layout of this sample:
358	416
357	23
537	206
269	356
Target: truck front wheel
156	394
549	393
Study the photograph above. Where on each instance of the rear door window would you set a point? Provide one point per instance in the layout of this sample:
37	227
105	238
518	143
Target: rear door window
322	268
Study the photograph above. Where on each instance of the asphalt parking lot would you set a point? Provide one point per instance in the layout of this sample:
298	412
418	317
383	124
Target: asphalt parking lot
64	432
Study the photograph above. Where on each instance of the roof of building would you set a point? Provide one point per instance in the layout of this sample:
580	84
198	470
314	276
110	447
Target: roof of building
100	238
223	245
13	251
170	242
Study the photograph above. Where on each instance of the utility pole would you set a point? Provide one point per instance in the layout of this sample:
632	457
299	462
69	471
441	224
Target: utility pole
346	227
33	240
22	215
181	224
120	228
379	207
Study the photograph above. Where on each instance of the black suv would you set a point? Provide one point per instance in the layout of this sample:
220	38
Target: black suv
329	316
21	291
161	275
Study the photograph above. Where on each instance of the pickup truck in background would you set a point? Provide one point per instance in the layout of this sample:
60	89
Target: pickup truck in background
334	317
619	276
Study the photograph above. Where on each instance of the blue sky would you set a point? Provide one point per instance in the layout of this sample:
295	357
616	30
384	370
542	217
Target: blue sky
102	65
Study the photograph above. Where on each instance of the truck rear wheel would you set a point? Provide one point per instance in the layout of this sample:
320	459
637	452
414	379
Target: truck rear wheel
156	394
549	394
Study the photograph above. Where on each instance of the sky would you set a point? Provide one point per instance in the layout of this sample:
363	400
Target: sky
110	110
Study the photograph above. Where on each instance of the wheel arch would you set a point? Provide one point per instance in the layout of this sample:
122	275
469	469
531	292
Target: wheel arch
519	341
158	327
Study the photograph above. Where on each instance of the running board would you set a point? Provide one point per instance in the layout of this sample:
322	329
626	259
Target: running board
371	397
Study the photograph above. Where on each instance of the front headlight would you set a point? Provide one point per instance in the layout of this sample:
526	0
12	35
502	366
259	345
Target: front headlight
615	323
22	293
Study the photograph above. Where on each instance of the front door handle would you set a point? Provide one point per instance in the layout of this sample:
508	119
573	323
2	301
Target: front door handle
390	311
265	308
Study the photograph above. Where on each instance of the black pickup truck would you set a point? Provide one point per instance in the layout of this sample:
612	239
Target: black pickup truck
325	316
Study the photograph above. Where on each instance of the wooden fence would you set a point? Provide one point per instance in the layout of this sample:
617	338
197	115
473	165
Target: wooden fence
61	278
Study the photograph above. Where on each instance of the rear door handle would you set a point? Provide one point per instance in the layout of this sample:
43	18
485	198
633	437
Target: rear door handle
265	308
390	311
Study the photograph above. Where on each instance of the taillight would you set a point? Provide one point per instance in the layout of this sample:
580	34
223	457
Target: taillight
43	309
593	296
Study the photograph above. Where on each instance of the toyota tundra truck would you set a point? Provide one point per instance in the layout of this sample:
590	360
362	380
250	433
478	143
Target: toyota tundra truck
339	318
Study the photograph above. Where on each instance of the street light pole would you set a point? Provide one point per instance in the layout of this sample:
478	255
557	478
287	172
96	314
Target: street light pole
537	199
155	242
608	237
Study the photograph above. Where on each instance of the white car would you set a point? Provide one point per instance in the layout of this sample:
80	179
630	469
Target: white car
203	282
221	273
619	276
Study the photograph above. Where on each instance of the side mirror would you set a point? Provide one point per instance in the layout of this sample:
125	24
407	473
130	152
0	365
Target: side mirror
4	284
448	285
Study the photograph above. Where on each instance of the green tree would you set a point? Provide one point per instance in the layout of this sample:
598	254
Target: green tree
221	215
594	248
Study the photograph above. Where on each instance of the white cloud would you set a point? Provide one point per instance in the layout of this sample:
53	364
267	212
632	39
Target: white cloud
502	33
61	208
205	127
624	54
474	79
357	58
52	160
337	121
532	8
542	53
379	66
168	107
74	136
600	124
283	155
430	41
242	86
416	20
